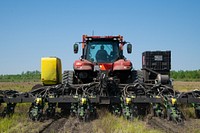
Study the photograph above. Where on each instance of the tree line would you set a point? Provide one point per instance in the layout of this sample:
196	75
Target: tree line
193	75
29	76
34	76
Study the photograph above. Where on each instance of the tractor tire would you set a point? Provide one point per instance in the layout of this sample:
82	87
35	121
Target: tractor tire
132	78
134	75
37	86
68	77
140	76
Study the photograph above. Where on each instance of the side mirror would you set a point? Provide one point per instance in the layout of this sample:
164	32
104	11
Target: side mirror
129	48
75	48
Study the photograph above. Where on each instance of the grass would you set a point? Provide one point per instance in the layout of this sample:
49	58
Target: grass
188	111
19	122
186	86
13	123
181	86
109	123
19	86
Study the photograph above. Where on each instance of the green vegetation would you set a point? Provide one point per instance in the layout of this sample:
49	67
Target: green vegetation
19	123
29	76
8	122
18	86
109	123
181	75
34	76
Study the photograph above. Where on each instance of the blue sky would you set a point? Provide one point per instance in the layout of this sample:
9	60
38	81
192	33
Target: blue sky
31	29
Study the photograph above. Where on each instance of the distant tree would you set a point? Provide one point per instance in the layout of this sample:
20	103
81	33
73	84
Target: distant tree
24	76
186	75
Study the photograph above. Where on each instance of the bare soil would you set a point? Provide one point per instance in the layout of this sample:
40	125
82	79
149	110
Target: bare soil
73	125
189	126
186	86
67	125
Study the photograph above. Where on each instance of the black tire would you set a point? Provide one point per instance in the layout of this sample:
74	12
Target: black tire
68	77
132	77
37	86
140	76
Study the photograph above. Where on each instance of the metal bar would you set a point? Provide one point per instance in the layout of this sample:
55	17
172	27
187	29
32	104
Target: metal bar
182	100
193	100
12	100
28	100
63	99
107	100
146	100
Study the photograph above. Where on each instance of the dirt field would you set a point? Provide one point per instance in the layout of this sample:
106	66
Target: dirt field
19	86
186	86
106	123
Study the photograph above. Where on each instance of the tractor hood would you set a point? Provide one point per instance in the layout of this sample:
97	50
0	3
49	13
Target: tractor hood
118	65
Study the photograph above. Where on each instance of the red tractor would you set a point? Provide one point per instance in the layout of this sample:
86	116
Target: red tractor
100	54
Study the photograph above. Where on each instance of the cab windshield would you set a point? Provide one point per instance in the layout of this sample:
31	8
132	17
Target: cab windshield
102	51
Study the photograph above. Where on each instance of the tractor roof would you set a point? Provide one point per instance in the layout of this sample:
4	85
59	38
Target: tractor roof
115	38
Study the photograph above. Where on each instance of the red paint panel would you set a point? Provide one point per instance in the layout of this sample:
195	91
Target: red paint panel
122	65
83	65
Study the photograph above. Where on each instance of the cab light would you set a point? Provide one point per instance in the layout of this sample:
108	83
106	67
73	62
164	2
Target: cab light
78	64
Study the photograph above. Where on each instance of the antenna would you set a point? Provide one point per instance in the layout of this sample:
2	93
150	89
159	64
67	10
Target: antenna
92	32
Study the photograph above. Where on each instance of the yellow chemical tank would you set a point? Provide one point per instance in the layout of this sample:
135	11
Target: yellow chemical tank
51	70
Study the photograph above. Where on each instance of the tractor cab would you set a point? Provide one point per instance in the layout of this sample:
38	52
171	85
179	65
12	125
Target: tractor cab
103	51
